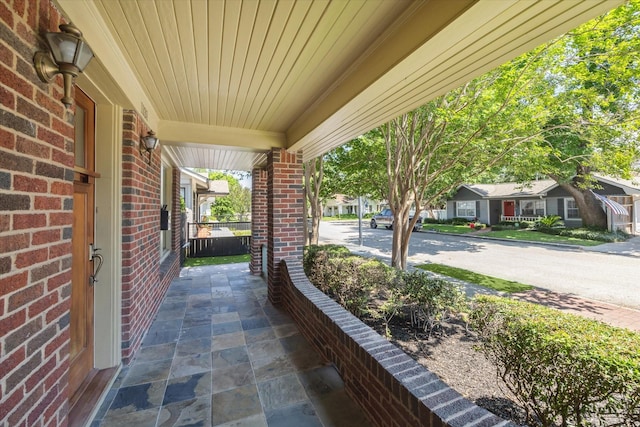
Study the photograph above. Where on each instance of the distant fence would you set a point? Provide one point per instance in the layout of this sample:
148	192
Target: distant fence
217	239
219	246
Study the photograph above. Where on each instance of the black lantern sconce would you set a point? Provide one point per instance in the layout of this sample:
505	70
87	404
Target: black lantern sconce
148	143
71	54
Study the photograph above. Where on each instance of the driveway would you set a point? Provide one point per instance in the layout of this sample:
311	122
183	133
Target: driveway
600	276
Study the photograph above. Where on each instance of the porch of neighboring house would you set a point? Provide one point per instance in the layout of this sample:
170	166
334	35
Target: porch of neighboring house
219	353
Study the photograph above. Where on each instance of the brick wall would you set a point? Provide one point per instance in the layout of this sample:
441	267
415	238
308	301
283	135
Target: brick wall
285	213
392	388
258	218
36	202
144	280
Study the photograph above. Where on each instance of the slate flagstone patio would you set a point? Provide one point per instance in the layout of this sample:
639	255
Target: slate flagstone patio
219	354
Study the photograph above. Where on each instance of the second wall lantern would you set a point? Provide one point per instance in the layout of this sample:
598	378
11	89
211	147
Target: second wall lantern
148	143
71	54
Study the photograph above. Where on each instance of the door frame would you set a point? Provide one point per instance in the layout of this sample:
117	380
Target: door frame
108	230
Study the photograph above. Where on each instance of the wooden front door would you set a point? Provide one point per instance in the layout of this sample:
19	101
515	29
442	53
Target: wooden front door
508	208
82	240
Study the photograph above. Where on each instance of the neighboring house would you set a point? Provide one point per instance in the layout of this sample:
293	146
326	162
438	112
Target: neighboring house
492	203
344	205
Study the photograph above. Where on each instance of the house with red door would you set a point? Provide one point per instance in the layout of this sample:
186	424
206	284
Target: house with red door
514	202
102	102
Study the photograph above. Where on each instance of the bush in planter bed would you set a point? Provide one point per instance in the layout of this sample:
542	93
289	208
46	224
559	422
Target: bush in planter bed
563	368
431	300
349	279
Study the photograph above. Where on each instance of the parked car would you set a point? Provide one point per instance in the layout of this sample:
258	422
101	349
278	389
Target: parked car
386	218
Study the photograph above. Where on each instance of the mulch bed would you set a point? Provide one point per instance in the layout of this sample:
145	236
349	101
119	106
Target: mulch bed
450	352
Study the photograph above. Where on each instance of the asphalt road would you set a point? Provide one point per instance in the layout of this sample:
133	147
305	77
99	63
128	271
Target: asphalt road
602	277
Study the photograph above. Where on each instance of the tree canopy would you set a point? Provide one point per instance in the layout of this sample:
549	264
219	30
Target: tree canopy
564	110
238	202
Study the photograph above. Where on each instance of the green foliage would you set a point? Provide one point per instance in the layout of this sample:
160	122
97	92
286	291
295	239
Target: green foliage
588	234
586	84
238	202
459	221
430	300
562	368
222	209
369	286
549	221
348	278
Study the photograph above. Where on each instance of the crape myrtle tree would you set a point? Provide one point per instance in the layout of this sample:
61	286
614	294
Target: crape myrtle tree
433	149
313	184
592	87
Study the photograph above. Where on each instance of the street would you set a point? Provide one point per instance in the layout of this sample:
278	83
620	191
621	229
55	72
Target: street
602	277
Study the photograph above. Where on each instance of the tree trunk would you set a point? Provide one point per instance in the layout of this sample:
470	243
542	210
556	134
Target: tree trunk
589	206
313	172
401	236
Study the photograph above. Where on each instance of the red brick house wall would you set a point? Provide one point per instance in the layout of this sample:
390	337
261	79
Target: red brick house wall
258	218
144	282
285	213
36	202
36	216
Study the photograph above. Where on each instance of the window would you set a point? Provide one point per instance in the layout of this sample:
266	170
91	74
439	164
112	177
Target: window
571	209
466	209
532	208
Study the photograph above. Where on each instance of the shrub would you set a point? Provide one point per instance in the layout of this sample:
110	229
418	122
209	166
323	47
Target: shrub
597	235
459	221
311	252
431	221
561	367
350	279
549	221
431	300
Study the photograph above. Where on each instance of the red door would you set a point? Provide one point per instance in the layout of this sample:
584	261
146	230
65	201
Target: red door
508	208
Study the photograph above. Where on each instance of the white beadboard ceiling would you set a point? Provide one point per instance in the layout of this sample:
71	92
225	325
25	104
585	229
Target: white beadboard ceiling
229	79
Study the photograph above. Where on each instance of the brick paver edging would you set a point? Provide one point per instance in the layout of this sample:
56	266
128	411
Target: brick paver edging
392	388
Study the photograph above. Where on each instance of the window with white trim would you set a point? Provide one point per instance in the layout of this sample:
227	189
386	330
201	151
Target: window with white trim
466	209
571	209
532	208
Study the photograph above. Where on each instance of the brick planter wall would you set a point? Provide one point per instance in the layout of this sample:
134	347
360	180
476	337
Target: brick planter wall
392	388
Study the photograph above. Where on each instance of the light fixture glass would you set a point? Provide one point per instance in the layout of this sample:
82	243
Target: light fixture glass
71	54
148	143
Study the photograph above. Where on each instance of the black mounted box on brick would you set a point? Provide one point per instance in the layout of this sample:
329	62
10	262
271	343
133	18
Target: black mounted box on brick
164	218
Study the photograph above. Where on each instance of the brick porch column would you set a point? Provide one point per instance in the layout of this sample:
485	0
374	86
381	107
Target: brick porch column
285	235
258	218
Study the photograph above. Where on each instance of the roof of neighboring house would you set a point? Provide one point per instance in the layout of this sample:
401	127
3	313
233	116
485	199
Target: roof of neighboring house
512	189
628	186
541	187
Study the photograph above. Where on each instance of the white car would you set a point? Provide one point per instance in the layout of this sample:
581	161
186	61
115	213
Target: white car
386	218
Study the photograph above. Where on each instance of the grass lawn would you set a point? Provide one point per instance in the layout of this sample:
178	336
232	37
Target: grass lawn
447	228
477	278
216	260
534	236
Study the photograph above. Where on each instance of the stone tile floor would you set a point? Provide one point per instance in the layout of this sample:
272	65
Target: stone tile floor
219	354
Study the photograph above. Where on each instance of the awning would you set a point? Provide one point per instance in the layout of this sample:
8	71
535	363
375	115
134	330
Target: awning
615	207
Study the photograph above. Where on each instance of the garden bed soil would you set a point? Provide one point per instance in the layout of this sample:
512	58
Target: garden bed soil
450	352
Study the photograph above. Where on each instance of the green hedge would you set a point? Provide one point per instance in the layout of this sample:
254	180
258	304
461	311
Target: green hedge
350	279
563	368
368	286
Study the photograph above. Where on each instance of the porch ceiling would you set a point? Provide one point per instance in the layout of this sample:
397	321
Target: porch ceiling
222	82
